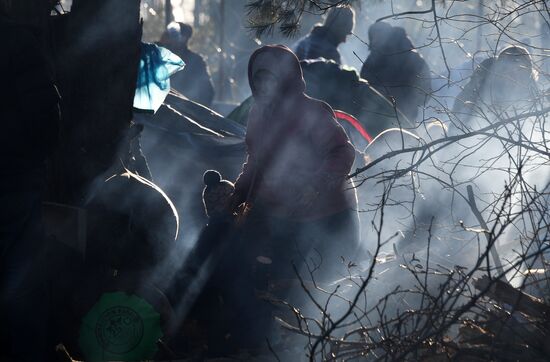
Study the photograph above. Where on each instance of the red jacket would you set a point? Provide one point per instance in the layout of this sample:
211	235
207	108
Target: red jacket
294	146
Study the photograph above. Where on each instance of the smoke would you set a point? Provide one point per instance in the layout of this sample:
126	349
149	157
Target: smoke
429	200
415	198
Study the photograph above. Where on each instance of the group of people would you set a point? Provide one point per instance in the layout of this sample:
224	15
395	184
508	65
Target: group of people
393	67
292	202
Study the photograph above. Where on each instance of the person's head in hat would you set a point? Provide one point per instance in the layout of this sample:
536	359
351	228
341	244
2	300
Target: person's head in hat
177	33
339	23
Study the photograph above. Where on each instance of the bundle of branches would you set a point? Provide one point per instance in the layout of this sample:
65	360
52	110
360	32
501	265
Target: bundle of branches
444	313
462	319
514	327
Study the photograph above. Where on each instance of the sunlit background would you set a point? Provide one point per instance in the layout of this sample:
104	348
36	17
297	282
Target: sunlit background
221	34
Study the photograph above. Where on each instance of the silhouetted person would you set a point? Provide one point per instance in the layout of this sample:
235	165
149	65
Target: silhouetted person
30	114
323	40
216	194
293	182
209	281
216	197
194	80
505	83
298	159
396	69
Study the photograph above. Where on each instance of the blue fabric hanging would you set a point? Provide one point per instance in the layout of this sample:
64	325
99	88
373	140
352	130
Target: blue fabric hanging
156	66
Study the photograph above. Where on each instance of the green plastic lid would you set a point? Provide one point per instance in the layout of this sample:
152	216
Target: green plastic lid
120	327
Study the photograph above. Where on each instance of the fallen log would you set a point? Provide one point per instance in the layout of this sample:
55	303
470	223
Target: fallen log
504	293
168	118
471	333
496	352
207	117
508	328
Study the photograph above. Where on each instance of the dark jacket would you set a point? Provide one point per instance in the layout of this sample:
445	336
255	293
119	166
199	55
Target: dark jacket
398	71
491	88
294	144
318	44
344	90
194	80
467	99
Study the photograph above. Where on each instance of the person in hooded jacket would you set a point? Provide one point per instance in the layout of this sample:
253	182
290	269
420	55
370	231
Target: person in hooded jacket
506	83
396	69
294	178
323	40
292	196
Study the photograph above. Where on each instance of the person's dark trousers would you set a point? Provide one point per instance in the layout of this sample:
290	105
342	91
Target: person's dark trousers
330	242
23	297
269	248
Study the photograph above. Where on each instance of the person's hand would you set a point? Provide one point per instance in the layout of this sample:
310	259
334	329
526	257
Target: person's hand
241	213
233	203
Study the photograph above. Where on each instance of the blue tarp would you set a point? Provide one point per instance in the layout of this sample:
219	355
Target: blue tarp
156	66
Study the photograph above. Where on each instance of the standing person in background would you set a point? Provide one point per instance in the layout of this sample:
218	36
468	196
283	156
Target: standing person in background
323	40
507	83
29	113
194	80
396	69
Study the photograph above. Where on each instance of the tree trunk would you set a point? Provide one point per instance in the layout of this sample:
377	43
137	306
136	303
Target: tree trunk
97	56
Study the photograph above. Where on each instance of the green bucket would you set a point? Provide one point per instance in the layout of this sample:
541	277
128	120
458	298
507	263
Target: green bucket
120	327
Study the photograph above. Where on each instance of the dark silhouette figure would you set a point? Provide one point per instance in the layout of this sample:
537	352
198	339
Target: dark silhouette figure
500	84
30	114
134	223
292	190
194	80
298	157
216	194
212	278
323	40
396	69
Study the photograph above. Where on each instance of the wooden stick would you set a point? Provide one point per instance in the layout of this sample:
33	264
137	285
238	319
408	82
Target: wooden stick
483	224
505	293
